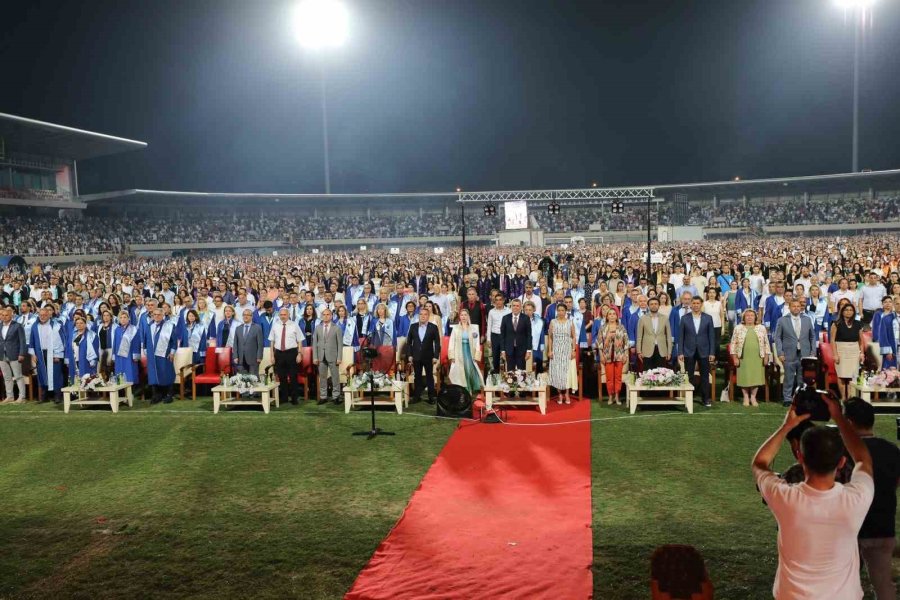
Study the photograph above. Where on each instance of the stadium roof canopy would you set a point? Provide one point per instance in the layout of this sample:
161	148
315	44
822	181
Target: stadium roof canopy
29	136
811	183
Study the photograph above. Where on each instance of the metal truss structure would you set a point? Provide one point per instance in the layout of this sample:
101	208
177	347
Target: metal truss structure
562	196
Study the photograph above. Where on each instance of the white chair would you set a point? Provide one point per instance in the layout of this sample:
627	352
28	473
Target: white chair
184	357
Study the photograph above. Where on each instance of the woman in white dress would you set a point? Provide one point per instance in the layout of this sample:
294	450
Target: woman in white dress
562	349
464	353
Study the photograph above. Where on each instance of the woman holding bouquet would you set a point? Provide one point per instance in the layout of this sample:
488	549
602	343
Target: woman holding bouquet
612	348
464	353
750	348
562	348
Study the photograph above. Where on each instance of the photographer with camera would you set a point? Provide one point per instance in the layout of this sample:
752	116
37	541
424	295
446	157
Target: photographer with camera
818	519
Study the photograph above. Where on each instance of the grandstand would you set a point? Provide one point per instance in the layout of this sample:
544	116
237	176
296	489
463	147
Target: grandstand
38	174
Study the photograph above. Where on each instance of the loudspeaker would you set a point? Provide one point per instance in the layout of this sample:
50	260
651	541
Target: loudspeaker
454	401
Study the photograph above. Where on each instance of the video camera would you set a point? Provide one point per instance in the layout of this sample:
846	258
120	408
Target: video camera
808	399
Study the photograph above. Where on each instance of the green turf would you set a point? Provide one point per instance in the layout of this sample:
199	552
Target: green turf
175	502
196	505
666	478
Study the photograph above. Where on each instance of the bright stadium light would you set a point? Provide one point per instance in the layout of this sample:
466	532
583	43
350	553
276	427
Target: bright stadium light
854	4
321	24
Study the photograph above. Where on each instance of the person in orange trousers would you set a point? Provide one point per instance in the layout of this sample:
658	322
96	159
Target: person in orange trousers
612	349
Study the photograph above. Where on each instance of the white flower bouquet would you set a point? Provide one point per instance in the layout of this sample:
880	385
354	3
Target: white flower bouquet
244	382
513	382
661	377
380	381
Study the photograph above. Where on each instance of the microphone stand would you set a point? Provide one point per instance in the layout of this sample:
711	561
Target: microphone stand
370	378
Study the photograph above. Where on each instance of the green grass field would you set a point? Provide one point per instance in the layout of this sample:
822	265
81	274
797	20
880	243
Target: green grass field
175	502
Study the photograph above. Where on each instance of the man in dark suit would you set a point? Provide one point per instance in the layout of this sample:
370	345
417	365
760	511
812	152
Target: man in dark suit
697	345
13	351
248	345
515	337
477	312
424	346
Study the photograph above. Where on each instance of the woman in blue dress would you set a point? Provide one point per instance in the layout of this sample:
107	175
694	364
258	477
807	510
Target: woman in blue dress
126	349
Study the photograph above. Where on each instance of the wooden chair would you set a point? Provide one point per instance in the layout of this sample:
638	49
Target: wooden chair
695	379
184	358
731	376
775	373
29	382
349	366
678	573
265	365
386	359
218	361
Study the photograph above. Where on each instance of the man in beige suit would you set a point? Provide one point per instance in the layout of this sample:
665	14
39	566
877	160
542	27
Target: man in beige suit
654	338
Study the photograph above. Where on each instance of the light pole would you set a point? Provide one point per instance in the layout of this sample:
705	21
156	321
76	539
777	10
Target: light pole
860	9
320	25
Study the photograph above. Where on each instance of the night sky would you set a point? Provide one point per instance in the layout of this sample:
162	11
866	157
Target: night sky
428	95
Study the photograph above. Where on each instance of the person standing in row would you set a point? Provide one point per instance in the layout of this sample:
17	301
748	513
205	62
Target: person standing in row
424	346
285	340
794	338
328	347
612	349
847	345
562	348
697	345
13	352
750	348
247	343
654	338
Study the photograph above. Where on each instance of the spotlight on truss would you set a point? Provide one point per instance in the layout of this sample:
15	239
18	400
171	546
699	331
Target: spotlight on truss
617	207
553	208
490	210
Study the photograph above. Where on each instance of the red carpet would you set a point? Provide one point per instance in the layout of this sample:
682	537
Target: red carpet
504	512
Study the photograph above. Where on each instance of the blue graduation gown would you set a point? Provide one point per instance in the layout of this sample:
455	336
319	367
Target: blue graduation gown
128	364
160	370
403	323
88	355
52	380
194	338
887	341
771	314
876	324
220	327
382	334
265	322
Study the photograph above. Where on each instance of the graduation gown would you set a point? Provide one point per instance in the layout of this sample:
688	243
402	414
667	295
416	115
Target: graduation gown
265	321
220	329
158	347
194	337
887	341
83	361
126	348
51	378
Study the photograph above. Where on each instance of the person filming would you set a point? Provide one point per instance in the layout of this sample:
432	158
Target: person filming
818	519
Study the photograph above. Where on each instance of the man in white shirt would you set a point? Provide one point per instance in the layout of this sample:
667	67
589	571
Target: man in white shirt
494	320
872	294
818	520
285	341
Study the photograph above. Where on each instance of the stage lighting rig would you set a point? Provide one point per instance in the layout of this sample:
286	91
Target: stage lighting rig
490	210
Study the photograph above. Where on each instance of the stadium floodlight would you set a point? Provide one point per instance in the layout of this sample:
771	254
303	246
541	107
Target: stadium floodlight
321	24
855	4
553	208
617	208
490	210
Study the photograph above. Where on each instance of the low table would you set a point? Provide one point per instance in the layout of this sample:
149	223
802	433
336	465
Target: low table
533	396
397	396
222	396
870	395
111	393
684	395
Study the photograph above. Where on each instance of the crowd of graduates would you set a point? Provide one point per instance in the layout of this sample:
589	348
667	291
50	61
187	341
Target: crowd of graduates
104	316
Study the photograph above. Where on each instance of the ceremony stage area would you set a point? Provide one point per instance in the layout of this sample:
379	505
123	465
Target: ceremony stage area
172	501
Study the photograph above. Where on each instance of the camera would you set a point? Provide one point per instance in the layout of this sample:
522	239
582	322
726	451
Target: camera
808	400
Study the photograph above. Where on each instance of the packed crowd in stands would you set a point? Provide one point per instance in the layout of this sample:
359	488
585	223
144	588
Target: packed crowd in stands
796	212
29	194
90	235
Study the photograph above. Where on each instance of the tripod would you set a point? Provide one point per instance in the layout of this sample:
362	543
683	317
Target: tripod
370	378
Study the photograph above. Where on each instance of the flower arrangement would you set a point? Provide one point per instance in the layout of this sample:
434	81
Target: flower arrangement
661	377
90	383
380	381
889	378
244	382
514	381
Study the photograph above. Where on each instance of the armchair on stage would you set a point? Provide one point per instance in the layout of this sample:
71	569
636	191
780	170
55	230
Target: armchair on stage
391	387
217	363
